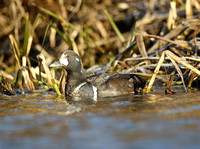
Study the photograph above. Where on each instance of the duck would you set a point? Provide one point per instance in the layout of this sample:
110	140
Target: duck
95	86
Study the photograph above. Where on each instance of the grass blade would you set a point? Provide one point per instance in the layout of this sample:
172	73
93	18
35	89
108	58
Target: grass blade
117	31
61	34
181	61
26	36
42	59
132	34
45	34
50	13
142	48
35	23
19	81
179	71
162	58
15	49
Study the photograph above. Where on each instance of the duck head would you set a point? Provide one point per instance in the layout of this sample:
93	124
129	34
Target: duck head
69	60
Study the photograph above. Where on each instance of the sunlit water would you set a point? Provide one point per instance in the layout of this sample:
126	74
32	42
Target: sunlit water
150	121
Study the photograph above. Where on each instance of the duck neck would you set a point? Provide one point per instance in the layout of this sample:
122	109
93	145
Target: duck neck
73	80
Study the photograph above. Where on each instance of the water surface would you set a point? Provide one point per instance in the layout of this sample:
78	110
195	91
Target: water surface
143	121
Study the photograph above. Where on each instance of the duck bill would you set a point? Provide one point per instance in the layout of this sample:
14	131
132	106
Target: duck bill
56	64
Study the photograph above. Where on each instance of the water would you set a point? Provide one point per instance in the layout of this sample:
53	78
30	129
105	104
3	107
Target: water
151	121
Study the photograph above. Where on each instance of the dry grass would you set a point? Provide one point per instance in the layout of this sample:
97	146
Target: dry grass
124	37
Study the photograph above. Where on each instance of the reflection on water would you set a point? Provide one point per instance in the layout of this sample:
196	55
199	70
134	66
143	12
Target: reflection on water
150	121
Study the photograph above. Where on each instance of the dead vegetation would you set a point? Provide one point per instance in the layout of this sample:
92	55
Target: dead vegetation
153	39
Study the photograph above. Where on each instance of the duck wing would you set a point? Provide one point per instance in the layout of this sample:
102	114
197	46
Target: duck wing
98	80
121	84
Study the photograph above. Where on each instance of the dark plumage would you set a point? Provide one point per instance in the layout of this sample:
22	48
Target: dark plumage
105	85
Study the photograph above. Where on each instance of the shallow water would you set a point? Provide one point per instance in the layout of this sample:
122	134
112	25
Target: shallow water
151	121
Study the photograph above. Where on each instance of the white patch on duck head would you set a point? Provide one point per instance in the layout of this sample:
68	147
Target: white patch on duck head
64	61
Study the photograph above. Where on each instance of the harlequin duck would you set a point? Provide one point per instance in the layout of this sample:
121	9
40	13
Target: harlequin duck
104	85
